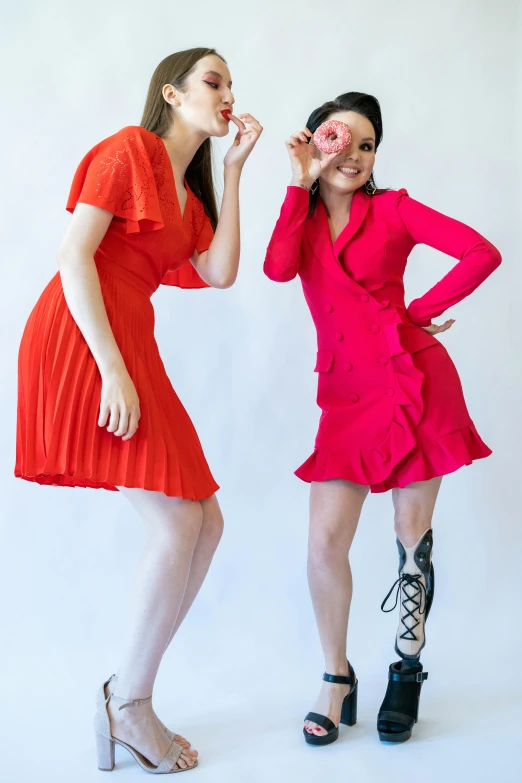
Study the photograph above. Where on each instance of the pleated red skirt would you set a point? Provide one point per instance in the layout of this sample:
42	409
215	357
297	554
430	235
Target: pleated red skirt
59	441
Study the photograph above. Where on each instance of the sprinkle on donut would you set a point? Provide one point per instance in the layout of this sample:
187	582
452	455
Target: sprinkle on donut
332	136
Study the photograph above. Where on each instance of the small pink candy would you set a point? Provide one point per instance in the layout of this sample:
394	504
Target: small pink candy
332	136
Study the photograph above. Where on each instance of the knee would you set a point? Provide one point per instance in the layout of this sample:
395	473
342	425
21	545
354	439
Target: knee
180	521
410	524
212	528
325	549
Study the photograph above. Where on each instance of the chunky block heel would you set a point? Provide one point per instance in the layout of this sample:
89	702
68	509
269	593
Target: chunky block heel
349	708
348	711
400	709
105	750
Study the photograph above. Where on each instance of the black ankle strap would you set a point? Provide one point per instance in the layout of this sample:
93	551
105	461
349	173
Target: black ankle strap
414	677
340	679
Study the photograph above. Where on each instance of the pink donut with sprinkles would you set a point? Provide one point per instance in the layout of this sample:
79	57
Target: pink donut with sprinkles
332	136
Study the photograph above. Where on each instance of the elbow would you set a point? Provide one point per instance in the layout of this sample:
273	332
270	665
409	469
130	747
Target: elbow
485	257
61	256
491	255
224	282
64	258
278	275
71	256
270	272
496	258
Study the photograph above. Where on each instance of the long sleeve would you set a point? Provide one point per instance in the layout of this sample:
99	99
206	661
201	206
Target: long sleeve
283	257
477	257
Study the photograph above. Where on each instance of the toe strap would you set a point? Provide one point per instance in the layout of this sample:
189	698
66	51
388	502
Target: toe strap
322	721
395	717
169	760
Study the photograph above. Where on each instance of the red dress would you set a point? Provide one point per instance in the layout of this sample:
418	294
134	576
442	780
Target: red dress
393	410
148	243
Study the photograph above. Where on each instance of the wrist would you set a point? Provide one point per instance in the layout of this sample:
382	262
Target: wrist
302	183
233	171
111	367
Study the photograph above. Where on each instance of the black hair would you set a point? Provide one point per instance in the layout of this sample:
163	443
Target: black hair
361	103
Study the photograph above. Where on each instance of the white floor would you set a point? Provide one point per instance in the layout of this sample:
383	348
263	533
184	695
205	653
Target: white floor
470	732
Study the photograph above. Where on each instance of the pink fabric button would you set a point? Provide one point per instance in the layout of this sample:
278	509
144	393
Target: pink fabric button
384	360
328	308
347	366
339	336
364	298
391	392
354	397
376	328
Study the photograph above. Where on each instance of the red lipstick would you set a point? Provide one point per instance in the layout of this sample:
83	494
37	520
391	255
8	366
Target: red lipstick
226	114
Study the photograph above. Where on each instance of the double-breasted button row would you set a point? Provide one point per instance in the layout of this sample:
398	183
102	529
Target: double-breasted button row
339	337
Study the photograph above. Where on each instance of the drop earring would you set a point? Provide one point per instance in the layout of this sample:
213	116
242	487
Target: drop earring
370	186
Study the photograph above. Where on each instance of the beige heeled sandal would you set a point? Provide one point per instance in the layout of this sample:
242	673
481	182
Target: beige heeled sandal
105	742
170	734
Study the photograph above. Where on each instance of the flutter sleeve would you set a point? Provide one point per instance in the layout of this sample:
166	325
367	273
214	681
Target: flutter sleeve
477	257
117	175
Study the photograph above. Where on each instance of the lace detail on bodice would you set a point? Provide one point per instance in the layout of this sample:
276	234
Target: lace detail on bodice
160	161
197	216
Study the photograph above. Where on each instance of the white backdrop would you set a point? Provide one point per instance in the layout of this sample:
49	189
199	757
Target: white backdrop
246	665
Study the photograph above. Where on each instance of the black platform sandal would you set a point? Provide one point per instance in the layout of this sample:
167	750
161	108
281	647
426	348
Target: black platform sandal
400	708
348	711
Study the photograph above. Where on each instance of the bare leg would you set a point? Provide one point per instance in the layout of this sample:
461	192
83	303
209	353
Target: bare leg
335	508
209	538
414	506
173	527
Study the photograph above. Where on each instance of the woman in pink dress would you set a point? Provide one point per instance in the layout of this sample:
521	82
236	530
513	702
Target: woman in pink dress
393	411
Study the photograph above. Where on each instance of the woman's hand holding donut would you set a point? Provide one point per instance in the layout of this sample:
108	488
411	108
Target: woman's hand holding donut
306	165
249	131
119	405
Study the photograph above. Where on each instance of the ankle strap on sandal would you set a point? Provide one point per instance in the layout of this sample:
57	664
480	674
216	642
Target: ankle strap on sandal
130	703
341	679
414	677
337	678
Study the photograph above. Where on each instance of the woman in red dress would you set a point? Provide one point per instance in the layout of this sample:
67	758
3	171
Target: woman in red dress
96	407
393	412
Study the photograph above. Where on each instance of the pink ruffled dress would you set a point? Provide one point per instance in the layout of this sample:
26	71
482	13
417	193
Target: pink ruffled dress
393	409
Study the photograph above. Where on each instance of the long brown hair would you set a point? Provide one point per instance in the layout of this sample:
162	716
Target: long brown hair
158	118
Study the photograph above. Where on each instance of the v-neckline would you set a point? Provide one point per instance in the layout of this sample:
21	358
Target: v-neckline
327	217
358	209
187	187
